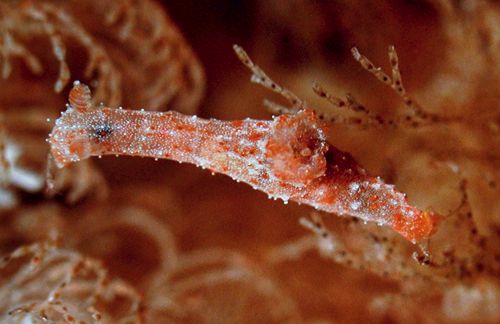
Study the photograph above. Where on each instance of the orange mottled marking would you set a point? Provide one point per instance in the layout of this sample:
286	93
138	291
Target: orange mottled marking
254	137
76	148
416	228
237	123
186	127
328	198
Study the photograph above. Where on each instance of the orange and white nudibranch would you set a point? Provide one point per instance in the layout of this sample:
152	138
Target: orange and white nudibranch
287	157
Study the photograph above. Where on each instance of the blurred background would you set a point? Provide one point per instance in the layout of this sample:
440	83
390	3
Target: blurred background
203	248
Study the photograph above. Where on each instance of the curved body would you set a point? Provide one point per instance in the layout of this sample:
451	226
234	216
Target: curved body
287	157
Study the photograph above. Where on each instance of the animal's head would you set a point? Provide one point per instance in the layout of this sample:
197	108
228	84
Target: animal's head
77	132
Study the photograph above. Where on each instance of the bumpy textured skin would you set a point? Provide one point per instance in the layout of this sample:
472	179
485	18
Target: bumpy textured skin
287	157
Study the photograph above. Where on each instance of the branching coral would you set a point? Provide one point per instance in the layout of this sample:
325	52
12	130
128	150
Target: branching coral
440	157
201	283
82	38
147	38
204	249
74	289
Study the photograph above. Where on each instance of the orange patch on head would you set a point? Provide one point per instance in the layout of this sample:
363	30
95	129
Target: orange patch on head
76	148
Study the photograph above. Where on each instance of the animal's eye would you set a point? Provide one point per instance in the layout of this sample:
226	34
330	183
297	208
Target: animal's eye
102	131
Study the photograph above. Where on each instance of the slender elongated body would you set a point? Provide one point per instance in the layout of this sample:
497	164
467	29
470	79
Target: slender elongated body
287	157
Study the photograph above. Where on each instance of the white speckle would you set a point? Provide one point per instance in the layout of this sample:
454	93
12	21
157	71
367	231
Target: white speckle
454	167
354	187
355	205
